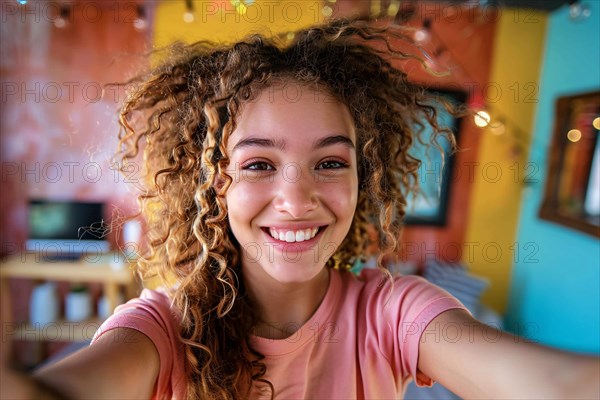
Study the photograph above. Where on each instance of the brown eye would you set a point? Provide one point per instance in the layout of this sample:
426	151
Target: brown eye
258	166
332	164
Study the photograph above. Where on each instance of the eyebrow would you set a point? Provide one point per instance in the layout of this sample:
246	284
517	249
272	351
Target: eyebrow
280	144
333	140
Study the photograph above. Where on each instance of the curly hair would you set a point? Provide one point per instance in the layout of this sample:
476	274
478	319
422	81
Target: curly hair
186	108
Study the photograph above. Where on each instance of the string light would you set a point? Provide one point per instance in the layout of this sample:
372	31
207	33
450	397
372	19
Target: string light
482	119
596	123
574	135
579	11
241	6
494	120
497	127
327	11
64	14
188	15
500	124
140	23
422	34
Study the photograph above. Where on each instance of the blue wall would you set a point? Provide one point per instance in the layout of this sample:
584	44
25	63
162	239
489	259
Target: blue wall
555	300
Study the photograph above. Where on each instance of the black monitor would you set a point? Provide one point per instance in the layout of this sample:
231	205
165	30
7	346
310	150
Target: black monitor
66	229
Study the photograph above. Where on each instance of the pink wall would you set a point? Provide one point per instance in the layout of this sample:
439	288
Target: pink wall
57	131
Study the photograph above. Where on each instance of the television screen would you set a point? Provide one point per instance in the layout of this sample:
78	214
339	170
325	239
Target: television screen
66	227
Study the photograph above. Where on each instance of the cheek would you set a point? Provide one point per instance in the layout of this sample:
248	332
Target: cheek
245	194
244	202
342	199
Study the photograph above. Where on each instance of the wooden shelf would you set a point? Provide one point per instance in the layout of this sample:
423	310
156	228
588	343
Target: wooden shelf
102	270
32	266
60	331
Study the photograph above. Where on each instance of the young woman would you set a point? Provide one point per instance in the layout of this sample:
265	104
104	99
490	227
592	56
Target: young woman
266	162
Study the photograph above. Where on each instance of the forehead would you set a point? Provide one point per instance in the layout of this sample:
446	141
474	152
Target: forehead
293	111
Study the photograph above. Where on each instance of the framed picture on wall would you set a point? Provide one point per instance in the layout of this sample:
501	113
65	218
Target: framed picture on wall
572	194
435	173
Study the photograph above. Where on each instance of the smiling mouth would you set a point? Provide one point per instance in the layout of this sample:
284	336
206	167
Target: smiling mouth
294	236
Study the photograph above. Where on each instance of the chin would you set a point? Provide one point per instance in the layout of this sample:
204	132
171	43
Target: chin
297	272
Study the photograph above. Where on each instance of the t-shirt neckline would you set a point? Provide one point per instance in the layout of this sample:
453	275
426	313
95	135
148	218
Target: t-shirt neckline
309	330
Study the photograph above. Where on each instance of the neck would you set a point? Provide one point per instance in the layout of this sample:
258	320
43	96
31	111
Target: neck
284	307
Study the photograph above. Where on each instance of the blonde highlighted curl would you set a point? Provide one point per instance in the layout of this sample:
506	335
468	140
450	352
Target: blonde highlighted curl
180	116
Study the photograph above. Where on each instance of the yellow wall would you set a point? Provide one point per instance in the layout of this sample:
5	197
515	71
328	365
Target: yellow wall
226	21
499	177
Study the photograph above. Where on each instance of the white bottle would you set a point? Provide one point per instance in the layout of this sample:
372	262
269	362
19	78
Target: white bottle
44	305
78	305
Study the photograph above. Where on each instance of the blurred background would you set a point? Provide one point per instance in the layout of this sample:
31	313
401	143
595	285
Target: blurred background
511	226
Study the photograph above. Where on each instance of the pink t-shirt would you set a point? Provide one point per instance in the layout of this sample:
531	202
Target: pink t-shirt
361	342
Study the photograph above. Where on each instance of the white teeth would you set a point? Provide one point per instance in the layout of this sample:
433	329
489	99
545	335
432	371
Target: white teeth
290	237
294	236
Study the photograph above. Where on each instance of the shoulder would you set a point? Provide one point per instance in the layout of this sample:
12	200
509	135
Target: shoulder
154	298
402	306
152	314
372	285
393	314
401	301
149	312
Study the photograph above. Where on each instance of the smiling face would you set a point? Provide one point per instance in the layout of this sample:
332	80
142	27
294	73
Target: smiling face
295	183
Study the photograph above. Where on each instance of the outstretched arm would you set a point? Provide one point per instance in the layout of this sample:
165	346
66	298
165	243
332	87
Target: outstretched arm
456	350
123	363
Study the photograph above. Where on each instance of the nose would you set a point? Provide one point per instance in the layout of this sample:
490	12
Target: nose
296	194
